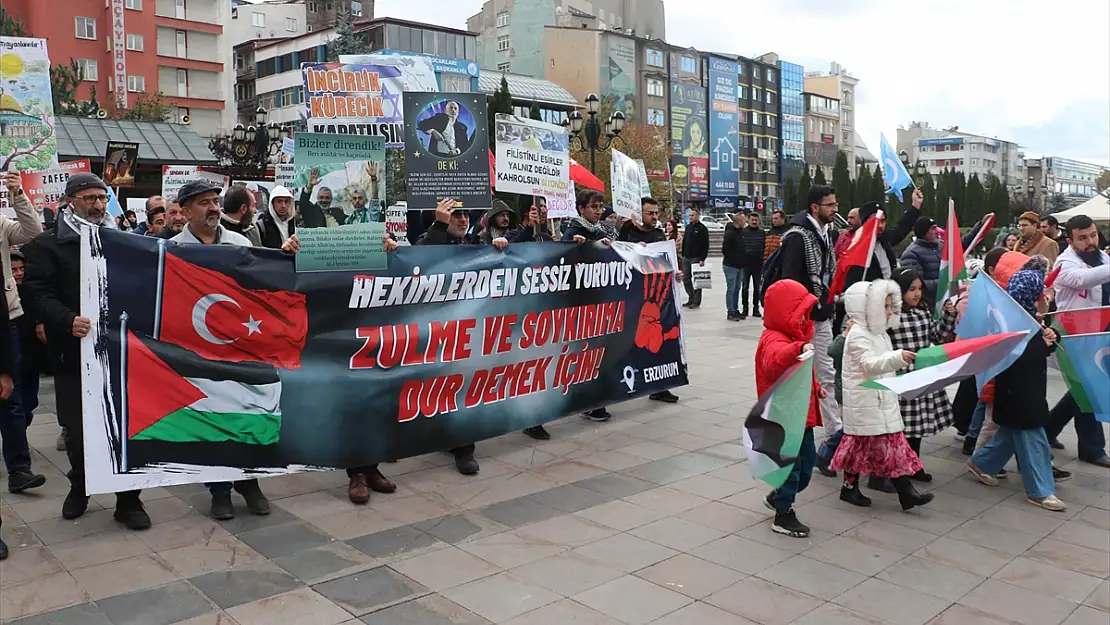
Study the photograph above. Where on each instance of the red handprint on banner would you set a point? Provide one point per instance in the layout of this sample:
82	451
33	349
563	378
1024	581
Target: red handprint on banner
649	330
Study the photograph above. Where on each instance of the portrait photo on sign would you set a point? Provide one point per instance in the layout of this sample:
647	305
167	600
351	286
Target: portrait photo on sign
446	128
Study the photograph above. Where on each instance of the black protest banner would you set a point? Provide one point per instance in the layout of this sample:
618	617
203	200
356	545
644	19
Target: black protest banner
214	362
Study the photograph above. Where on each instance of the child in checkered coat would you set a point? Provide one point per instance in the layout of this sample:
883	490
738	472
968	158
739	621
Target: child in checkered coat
931	413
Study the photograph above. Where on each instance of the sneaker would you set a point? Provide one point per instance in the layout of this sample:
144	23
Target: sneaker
1055	444
743	315
769	502
60	444
665	396
132	515
538	432
968	447
1001	474
789	525
256	501
222	509
466	465
732	316
1060	475
756	314
598	415
960	436
989	480
1051	502
20	481
74	506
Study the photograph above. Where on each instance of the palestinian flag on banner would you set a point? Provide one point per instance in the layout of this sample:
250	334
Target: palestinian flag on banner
175	396
940	366
952	268
1070	323
776	424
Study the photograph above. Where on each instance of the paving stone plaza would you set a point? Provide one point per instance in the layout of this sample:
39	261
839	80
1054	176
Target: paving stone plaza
652	517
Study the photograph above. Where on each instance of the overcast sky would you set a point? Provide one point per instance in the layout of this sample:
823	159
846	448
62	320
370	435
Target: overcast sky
1029	71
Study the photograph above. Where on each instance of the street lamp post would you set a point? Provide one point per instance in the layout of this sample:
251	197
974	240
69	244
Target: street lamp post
589	131
248	150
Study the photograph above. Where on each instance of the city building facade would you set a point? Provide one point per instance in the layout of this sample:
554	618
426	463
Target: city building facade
822	132
1071	178
128	47
792	124
511	32
759	102
968	152
837	84
253	24
279	85
323	14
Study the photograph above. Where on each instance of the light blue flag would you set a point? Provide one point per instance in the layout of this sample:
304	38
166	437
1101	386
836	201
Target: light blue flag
1090	357
991	310
894	172
114	208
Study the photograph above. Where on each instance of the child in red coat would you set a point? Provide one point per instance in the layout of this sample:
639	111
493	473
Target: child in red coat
787	333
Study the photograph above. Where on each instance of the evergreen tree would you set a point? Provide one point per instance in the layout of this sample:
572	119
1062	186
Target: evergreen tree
803	192
346	41
929	193
975	199
944	193
500	102
877	186
959	193
819	177
534	112
842	180
861	189
998	200
10	25
789	194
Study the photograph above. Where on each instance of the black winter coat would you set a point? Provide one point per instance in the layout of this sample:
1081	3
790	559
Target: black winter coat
437	235
268	232
795	266
924	256
887	239
695	241
53	282
753	240
732	248
1020	391
630	233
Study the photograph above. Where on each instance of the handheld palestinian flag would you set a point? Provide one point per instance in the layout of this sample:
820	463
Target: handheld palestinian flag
1089	369
952	268
984	228
1071	323
940	366
774	428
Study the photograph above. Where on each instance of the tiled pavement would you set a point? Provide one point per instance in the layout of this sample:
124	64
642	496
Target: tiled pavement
650	518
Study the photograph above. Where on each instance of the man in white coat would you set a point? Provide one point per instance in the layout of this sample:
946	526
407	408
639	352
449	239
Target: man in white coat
1083	282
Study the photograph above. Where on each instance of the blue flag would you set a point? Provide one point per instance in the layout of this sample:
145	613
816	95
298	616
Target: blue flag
990	311
1090	358
894	172
114	208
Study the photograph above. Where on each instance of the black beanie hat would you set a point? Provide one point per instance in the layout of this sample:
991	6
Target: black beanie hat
922	225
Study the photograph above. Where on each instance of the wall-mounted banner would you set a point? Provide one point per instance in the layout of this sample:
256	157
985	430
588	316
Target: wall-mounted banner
119	54
446	149
120	162
28	141
724	129
239	367
354	100
626	183
175	176
533	157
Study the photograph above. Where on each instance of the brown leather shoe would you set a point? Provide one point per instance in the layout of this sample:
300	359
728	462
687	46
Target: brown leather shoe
378	483
358	491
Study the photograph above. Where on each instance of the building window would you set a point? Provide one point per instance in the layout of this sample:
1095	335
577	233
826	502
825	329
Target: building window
655	87
757	94
308	28
653	58
771	121
134	5
502	43
741	92
741	69
182	83
136	84
135	42
689	65
88	70
179	9
86	27
656	117
258	20
756	118
182	50
502	19
770	75
504	67
770	98
356	9
313	7
291	24
743	116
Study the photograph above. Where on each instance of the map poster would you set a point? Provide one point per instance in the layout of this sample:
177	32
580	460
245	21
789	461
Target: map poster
446	149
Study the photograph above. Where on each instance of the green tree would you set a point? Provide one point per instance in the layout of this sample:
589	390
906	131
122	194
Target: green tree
944	193
396	189
1103	181
877	187
10	25
534	111
803	192
842	181
148	107
862	186
929	194
819	177
500	102
974	201
789	194
346	41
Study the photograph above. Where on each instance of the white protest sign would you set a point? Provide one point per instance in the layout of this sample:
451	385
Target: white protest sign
533	157
562	207
397	222
645	186
175	176
283	175
138	205
624	177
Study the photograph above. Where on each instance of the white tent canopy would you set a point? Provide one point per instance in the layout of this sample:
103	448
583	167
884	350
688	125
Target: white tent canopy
1097	208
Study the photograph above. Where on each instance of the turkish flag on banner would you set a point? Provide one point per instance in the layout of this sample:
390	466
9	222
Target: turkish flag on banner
208	313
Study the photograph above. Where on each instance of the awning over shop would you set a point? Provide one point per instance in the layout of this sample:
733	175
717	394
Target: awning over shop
161	144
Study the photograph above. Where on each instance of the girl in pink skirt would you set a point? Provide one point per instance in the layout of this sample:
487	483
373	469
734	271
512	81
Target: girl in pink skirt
873	441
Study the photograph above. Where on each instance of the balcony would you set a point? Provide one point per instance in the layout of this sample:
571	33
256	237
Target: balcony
245	73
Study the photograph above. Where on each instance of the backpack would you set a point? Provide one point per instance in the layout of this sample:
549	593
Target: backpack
772	269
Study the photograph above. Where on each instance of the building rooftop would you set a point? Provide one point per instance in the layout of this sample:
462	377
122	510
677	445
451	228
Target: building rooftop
526	88
170	144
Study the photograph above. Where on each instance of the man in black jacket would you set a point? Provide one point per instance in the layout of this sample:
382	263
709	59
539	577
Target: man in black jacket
237	214
535	228
807	258
7	385
275	224
753	239
695	249
175	220
54	281
732	251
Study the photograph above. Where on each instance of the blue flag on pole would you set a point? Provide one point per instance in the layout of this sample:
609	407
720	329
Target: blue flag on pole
114	208
1090	357
894	172
990	311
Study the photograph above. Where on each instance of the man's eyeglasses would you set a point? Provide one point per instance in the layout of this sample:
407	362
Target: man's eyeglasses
834	204
92	199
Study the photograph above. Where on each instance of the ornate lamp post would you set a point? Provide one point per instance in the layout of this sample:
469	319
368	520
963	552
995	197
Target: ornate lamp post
247	152
590	132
